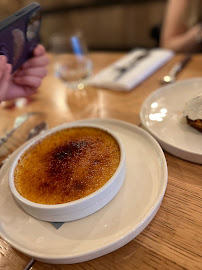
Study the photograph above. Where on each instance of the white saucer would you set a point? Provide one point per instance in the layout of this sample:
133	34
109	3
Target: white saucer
113	226
162	114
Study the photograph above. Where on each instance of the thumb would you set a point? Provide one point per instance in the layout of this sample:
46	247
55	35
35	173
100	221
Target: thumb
4	81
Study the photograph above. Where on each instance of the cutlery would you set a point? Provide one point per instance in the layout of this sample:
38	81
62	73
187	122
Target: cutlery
123	69
36	130
171	76
32	133
18	122
29	265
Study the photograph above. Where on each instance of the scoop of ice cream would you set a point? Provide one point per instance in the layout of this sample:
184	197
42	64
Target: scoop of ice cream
193	108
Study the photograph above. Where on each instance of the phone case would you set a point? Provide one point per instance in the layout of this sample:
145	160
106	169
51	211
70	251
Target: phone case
19	34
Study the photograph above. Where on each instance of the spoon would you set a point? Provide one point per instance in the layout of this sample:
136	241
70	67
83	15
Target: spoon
32	133
36	130
18	122
30	264
171	76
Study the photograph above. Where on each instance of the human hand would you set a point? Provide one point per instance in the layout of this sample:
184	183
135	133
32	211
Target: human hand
27	79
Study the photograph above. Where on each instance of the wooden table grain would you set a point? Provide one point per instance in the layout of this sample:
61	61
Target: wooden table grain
173	239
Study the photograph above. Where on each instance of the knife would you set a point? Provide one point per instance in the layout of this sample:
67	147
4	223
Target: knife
124	69
171	76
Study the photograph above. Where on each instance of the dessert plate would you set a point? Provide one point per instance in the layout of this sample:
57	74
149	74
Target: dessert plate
113	226
162	114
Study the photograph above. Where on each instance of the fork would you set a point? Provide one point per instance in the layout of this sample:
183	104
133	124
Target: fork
17	123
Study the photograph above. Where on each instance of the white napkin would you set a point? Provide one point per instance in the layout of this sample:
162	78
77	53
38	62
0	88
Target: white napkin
108	77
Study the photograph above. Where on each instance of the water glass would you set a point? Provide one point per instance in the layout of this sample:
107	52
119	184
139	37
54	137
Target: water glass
72	62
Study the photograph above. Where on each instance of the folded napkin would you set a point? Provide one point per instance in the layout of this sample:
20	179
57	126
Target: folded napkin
131	70
57	225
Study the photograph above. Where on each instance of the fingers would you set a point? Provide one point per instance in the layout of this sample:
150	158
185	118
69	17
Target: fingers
30	81
39	50
34	71
36	61
5	71
3	62
39	61
29	91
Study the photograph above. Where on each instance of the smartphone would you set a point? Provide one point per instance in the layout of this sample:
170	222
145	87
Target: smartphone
19	34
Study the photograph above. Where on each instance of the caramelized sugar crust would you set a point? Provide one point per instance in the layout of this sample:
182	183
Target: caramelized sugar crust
67	165
197	124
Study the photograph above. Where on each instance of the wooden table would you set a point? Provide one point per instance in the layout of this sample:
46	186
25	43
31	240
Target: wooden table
173	239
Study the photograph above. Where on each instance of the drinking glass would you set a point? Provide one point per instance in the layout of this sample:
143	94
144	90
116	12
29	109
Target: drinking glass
71	60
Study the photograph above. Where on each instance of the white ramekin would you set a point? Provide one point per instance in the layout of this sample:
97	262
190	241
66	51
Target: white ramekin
79	208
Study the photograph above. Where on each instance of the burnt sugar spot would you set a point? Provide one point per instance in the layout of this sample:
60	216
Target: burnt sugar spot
79	185
62	160
97	161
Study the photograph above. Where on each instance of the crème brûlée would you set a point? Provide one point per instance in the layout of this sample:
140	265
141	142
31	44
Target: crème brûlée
67	165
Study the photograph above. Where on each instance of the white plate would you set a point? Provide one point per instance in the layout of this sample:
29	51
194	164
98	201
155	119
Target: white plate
162	114
113	226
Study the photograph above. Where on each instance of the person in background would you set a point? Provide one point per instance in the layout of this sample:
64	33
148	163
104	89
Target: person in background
24	81
182	29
